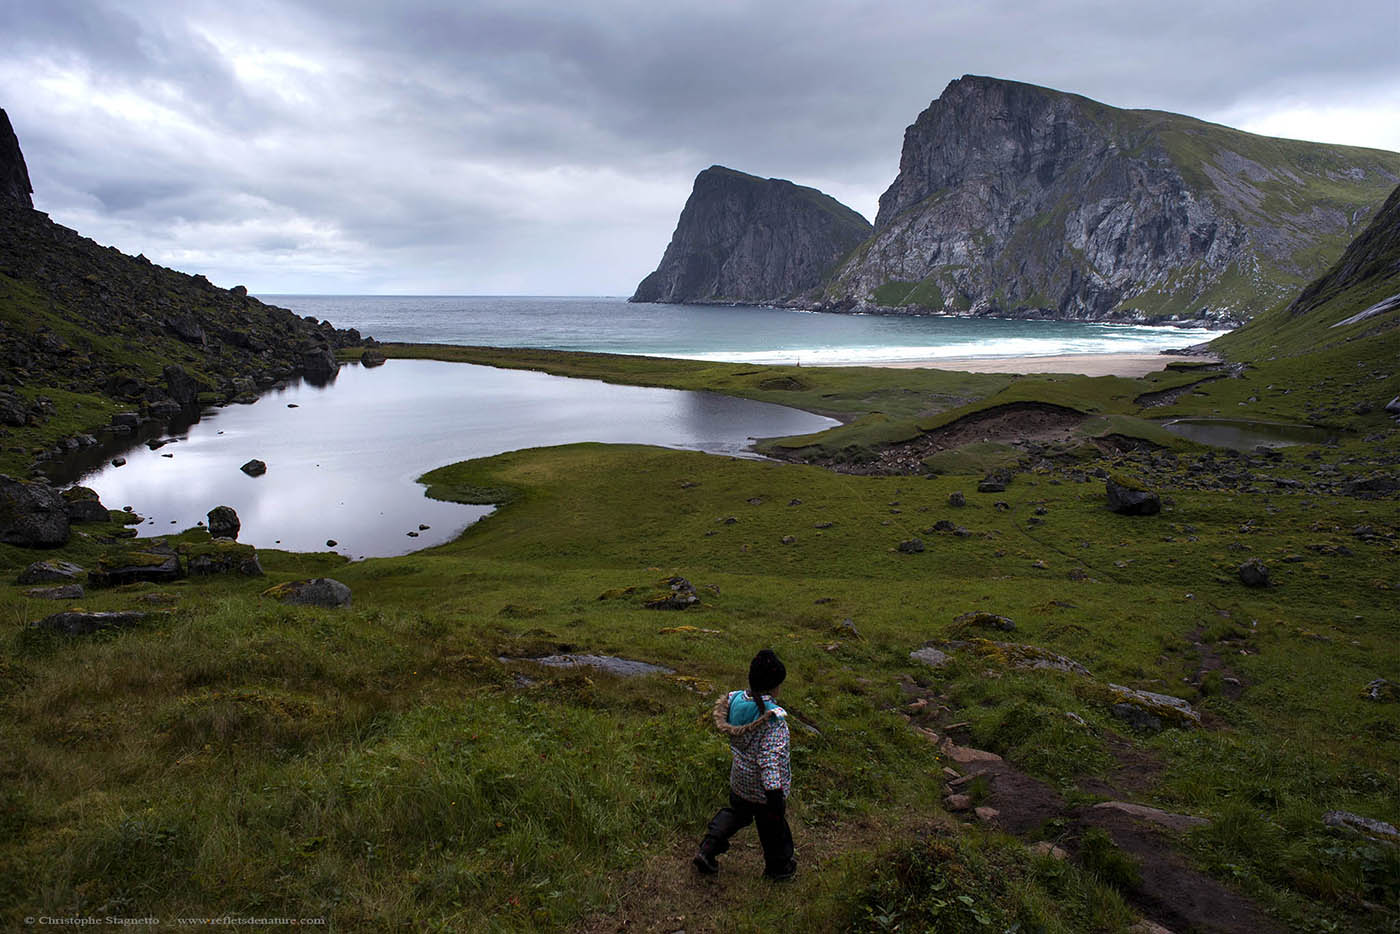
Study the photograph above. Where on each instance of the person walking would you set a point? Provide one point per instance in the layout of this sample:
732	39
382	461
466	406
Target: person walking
760	777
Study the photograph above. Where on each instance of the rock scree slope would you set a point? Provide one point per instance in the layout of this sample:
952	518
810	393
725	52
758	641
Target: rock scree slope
752	240
83	326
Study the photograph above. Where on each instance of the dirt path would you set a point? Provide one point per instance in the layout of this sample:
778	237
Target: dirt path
667	895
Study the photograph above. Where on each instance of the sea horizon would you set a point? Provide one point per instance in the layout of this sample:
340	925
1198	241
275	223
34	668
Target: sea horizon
753	334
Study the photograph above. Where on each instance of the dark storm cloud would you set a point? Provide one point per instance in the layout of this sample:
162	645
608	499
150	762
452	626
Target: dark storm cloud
532	146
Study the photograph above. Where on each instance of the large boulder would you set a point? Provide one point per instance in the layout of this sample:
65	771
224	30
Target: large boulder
317	362
222	556
83	505
254	468
183	387
1127	497
372	358
1254	573
49	572
155	563
223	522
319	591
32	515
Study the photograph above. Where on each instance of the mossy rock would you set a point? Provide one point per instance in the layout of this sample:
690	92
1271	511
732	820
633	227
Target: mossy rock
221	556
131	565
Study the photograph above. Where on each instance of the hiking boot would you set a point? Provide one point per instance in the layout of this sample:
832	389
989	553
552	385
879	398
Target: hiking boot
705	863
783	874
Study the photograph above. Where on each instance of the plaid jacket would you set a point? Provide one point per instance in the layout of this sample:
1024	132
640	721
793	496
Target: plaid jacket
761	750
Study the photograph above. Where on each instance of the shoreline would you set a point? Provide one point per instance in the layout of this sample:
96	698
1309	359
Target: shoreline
1126	364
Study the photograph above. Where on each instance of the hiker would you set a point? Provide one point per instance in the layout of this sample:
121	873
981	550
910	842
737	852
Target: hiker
760	777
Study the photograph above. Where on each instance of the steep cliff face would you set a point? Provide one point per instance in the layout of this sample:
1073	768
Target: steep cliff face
14	176
752	240
1019	200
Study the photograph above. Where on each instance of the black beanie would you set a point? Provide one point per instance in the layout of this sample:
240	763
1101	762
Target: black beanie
765	672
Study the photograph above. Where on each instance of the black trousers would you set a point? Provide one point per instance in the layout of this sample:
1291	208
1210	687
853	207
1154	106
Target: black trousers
773	831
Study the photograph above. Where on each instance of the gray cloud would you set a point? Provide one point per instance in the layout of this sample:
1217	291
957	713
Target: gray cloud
547	147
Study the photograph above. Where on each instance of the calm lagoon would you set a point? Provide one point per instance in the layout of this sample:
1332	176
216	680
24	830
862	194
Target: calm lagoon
343	459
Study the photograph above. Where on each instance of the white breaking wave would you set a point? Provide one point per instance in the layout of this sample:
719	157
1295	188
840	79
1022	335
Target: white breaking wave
1135	340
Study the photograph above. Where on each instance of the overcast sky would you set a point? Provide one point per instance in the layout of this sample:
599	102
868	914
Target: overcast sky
546	147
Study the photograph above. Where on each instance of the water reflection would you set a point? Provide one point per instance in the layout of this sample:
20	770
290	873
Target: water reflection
342	461
1245	435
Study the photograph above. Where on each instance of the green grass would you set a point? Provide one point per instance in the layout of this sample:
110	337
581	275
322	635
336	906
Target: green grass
381	766
400	763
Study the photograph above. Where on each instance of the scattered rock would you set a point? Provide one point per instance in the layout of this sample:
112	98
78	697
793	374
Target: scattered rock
931	657
1046	848
1177	822
65	592
1147	926
223	522
986	814
991	484
983	620
847	628
624	667
80	623
956	499
331	543
1393	406
1129	498
52	571
1254	573
958	802
789	539
372	358
966	755
158	598
156	563
119	462
1151	712
318	591
1379	690
911	546
254	468
678	595
1346	820
32	515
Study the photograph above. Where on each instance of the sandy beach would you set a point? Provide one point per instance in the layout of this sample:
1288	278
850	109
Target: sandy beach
1086	364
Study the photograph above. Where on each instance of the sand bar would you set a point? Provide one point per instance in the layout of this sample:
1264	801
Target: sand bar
1085	364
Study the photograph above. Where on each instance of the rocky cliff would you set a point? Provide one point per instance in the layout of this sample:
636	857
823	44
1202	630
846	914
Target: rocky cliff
1375	255
83	326
1017	200
14	176
752	240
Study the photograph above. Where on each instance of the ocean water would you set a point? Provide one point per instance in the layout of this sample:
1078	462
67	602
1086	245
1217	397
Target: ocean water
717	332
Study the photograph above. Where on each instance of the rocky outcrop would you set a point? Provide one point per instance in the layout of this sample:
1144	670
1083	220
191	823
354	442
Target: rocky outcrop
1017	200
95	321
14	175
32	515
752	240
